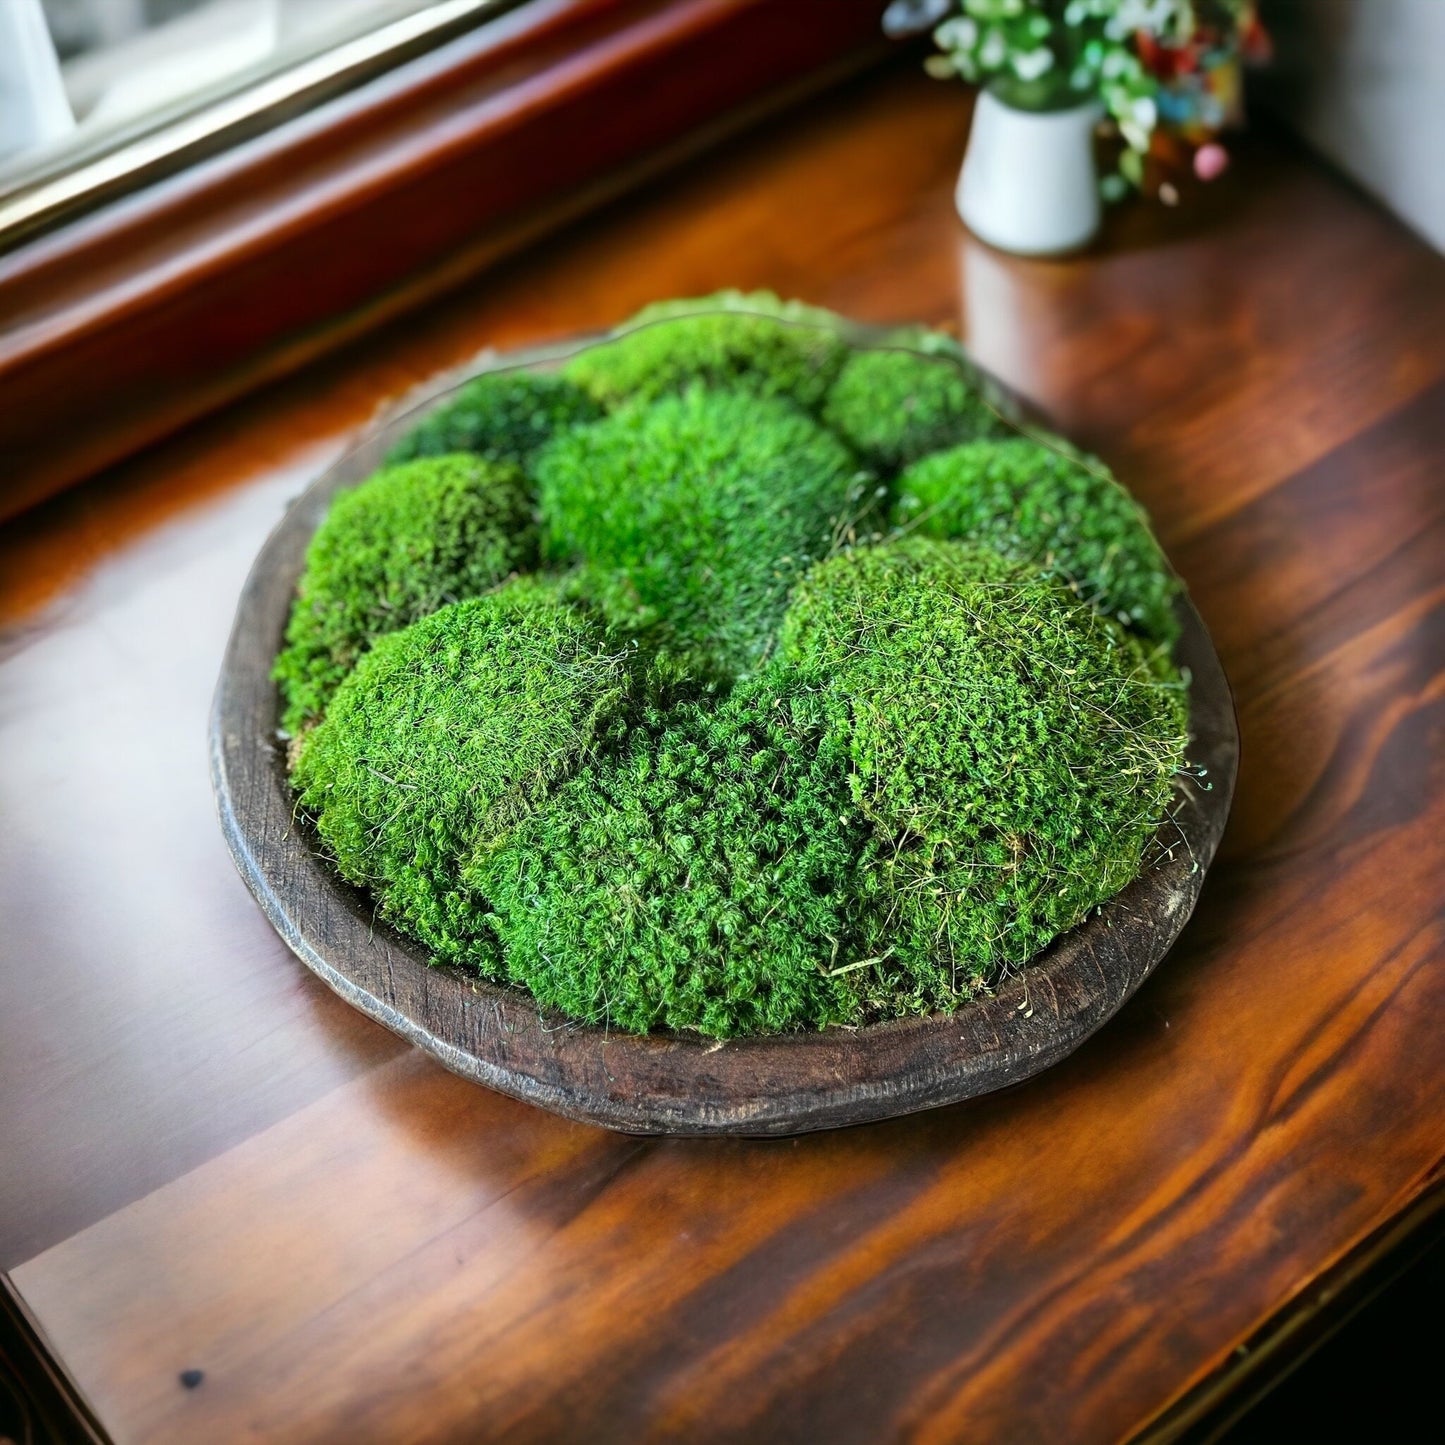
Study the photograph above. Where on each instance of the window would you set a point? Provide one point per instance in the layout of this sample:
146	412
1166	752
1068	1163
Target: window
99	95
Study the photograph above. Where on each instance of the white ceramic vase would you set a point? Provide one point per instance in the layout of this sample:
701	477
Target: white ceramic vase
1029	184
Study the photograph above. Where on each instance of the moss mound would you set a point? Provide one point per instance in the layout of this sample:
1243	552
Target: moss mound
698	880
748	342
504	416
895	406
444	736
694	515
1066	515
407	541
1014	748
726	758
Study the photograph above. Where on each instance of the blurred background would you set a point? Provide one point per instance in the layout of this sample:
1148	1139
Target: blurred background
123	62
123	59
1363	81
1358	79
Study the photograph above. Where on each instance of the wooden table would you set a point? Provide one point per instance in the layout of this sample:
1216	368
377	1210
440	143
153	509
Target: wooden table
238	1210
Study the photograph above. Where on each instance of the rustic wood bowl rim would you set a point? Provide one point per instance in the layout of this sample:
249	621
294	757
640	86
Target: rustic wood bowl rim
676	1084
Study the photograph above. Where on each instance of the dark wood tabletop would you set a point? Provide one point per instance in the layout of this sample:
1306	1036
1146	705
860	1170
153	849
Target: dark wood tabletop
236	1209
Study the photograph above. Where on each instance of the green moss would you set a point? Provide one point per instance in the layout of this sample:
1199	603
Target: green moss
895	406
753	303
744	342
402	544
1014	748
1067	516
930	341
735	764
444	735
935	343
700	880
504	416
695	515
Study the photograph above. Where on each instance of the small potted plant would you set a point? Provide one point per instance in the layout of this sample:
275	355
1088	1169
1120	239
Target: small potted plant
1163	75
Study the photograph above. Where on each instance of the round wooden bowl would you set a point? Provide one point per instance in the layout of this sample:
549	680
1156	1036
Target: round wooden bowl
674	1083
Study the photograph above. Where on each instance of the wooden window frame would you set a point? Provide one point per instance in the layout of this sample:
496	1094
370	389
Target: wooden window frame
136	318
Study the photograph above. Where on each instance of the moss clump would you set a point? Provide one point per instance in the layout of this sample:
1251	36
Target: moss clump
700	880
443	737
402	544
504	416
1014	749
742	342
1066	515
895	406
752	303
694	516
930	341
735	763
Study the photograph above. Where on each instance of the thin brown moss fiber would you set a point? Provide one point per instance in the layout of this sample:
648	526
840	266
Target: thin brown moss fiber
735	758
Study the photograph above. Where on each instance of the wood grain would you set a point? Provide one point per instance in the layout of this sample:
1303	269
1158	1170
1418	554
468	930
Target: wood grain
207	1161
671	1083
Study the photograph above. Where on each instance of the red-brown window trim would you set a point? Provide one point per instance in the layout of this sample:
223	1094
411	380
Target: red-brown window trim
139	317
